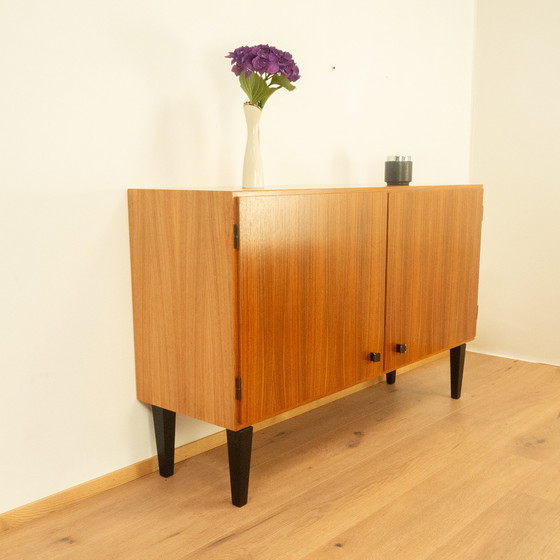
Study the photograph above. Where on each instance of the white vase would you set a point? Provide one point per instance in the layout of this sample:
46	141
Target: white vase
252	164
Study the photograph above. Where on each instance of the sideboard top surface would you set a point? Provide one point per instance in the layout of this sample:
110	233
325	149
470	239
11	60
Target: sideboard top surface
298	190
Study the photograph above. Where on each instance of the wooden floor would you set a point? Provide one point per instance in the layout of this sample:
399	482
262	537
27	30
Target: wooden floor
393	472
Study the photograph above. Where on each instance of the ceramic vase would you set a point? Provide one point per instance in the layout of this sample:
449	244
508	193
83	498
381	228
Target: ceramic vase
252	164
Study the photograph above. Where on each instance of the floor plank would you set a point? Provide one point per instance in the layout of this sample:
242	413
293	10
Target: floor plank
396	471
517	526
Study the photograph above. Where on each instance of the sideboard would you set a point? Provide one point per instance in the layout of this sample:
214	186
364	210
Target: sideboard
249	303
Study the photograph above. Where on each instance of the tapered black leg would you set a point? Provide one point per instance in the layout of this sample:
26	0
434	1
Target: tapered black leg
391	377
239	454
164	425
457	364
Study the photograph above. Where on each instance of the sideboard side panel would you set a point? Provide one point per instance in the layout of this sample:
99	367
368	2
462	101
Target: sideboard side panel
182	259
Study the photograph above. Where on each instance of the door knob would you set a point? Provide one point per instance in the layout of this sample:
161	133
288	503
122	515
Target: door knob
401	348
375	356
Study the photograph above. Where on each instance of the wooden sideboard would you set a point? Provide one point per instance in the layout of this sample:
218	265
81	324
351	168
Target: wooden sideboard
251	303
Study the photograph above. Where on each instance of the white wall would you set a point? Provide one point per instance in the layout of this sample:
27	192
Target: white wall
97	97
516	150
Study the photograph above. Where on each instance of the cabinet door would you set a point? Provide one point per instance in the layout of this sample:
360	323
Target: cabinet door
432	271
311	274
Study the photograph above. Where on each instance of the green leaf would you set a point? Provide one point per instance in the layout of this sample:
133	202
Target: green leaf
258	91
266	95
244	83
282	81
255	87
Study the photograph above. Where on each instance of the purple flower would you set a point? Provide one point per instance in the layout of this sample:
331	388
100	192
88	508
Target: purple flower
262	70
263	59
241	61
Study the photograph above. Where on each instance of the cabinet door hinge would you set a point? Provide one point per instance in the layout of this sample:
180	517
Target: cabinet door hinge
238	388
236	236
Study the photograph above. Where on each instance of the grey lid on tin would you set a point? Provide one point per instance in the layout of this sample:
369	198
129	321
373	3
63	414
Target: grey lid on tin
399	158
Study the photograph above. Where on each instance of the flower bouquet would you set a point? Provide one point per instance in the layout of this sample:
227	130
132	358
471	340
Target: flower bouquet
262	70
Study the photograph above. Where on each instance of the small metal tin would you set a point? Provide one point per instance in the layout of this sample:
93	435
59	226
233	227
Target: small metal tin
398	170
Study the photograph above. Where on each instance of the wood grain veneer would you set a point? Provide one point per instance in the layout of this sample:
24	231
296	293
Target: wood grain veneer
296	310
184	301
312	285
432	271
